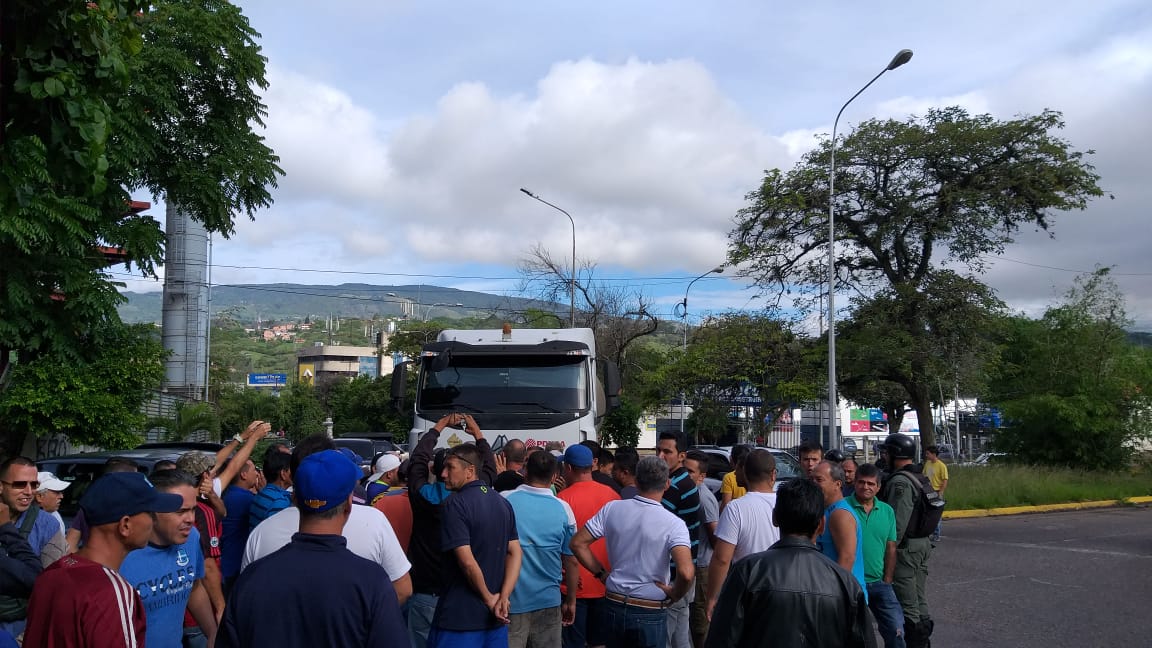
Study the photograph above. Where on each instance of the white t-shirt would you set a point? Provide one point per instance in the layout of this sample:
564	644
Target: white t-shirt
368	532
747	523
640	534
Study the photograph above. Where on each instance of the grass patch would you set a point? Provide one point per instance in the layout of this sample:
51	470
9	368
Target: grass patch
999	486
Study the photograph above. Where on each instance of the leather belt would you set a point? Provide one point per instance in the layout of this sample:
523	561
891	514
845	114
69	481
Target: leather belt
637	602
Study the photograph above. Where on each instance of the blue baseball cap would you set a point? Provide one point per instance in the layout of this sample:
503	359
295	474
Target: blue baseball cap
578	456
325	480
116	495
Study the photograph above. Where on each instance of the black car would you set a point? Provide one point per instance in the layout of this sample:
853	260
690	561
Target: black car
80	470
367	447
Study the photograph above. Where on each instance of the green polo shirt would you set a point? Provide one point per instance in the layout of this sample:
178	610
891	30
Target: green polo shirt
879	528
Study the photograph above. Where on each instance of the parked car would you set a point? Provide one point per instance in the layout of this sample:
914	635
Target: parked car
80	470
987	458
367	448
720	464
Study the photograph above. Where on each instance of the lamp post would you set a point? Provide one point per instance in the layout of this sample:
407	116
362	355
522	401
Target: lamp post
572	277
902	57
684	316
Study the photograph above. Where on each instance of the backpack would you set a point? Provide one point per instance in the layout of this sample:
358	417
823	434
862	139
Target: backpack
929	507
12	608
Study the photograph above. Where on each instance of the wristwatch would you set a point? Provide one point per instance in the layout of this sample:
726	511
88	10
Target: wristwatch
238	439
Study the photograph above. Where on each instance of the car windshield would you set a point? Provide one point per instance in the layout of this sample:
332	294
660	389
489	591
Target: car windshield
786	466
79	476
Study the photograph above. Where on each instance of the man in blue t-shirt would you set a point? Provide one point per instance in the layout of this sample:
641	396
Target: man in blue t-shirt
169	572
842	539
545	525
275	496
478	534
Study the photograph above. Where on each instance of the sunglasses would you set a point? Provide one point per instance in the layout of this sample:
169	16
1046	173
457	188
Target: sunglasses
21	485
453	455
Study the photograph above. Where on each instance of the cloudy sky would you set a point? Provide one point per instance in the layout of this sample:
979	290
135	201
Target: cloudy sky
407	128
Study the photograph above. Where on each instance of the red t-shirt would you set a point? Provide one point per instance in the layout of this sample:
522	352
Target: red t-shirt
77	603
586	499
395	506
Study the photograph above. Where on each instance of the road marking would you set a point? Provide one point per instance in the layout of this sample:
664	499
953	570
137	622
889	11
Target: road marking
1032	545
982	580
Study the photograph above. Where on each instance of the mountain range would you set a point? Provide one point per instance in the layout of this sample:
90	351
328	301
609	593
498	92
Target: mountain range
286	301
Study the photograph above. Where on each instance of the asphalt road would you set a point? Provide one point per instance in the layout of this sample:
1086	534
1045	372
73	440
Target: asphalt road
1046	580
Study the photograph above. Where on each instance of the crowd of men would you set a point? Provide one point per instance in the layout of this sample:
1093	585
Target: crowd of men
528	547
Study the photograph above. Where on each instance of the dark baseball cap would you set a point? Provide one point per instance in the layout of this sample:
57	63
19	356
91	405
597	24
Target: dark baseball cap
116	495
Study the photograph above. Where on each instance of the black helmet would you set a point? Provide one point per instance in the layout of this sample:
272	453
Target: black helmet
834	455
900	446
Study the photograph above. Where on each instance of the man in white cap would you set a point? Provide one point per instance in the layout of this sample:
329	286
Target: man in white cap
50	494
390	498
383	478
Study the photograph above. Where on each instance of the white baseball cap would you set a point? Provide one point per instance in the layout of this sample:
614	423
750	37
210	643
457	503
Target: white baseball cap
49	481
386	463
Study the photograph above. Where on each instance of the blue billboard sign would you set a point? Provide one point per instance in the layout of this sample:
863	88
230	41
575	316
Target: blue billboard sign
267	380
369	366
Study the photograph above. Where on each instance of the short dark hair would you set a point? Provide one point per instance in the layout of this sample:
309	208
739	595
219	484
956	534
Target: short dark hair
934	449
163	464
15	461
759	466
810	446
515	451
120	464
675	436
540	467
699	457
274	462
740	453
799	507
467	452
310	445
438	461
167	480
626	460
402	471
276	447
593	446
606	457
867	470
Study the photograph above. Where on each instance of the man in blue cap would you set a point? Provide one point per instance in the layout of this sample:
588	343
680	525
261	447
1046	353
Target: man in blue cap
324	594
81	599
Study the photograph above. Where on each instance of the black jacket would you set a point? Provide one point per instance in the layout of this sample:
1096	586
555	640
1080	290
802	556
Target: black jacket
426	497
787	597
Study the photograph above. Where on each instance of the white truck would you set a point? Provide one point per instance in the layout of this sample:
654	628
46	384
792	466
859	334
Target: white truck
536	385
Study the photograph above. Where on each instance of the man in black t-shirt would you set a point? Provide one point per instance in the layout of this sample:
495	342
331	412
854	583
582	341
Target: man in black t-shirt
478	532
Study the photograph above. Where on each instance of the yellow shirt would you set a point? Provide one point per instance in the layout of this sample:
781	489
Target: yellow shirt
728	486
937	472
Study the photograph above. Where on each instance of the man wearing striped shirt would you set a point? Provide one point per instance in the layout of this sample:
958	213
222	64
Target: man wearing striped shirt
81	601
683	499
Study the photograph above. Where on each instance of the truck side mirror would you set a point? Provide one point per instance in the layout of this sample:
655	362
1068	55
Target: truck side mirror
399	385
612	384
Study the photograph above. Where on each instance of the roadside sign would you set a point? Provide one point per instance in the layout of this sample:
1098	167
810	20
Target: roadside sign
267	380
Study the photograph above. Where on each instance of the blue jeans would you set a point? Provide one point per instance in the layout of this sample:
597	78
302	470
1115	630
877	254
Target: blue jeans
495	638
588	627
629	626
889	616
421	607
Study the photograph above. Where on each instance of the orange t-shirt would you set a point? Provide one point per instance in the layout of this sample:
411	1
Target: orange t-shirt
396	508
586	500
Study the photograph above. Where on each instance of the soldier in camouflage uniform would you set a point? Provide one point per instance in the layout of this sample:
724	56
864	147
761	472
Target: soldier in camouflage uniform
902	493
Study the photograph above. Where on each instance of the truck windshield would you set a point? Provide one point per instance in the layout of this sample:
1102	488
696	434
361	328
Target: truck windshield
503	383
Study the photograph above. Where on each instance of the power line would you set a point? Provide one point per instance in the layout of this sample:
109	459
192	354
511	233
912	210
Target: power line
1058	269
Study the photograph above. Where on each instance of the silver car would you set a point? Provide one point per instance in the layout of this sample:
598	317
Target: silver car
720	464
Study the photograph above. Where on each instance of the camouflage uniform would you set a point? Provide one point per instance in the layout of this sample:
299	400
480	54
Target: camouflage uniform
911	573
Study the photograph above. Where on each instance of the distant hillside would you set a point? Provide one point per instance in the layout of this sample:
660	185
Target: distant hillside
297	301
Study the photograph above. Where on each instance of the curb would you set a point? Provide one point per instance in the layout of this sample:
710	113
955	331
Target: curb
1044	508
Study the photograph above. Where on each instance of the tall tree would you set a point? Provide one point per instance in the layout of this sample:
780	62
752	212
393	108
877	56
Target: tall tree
1073	389
99	99
938	338
912	196
618	315
95	398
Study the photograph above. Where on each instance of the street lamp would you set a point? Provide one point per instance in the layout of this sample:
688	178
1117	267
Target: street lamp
902	57
572	277
684	316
